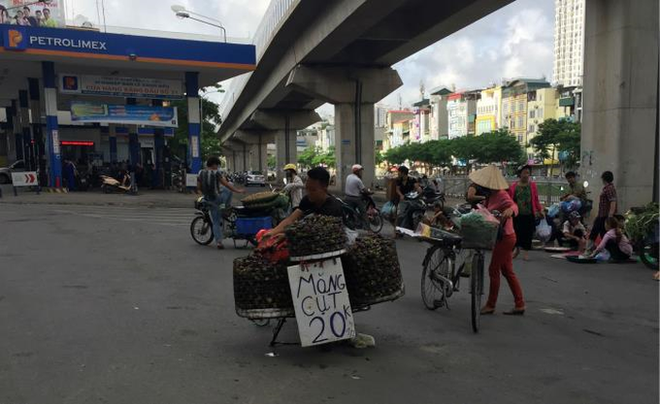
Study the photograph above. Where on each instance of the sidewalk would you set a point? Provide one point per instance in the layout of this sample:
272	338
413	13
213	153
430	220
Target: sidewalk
148	198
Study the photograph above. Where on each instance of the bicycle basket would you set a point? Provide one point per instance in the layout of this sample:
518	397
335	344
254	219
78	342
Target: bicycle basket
479	236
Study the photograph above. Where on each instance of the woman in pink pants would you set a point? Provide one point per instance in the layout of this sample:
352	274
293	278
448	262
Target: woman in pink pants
502	258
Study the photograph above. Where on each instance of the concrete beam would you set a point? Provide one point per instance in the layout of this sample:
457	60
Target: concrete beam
338	85
620	97
285	120
255	137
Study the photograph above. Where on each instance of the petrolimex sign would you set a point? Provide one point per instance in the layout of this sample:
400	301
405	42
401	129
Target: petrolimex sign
18	38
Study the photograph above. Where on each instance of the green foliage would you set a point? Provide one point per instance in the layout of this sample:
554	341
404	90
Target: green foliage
562	136
495	147
271	162
306	158
210	144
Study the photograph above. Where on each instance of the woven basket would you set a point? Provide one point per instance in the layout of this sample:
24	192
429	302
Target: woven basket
261	291
372	275
482	237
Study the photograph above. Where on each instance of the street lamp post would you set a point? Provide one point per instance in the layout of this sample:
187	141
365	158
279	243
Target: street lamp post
182	13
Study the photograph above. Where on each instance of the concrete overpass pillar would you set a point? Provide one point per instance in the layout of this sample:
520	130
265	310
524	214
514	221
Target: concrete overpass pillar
284	124
354	91
621	97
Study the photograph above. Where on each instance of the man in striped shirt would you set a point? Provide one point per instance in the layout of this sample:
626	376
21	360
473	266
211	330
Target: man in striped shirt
218	192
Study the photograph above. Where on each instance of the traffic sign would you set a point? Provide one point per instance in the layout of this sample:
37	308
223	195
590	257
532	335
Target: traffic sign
25	179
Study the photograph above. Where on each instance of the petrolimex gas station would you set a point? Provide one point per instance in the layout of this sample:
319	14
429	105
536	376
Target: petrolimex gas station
81	94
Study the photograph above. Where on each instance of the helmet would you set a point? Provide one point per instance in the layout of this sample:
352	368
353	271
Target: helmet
575	215
290	167
356	168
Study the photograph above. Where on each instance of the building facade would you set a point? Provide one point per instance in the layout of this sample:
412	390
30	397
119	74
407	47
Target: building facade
461	113
541	105
515	97
569	42
488	110
438	117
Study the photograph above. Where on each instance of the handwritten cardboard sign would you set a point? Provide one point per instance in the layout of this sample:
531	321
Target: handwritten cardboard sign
320	299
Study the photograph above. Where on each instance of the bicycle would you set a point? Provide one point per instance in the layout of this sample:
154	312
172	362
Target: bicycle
441	277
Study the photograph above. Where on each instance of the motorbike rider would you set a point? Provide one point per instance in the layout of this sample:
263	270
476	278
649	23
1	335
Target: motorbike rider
355	191
294	186
218	192
404	185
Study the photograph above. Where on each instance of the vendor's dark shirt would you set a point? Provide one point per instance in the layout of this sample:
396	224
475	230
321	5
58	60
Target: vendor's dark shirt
407	187
331	207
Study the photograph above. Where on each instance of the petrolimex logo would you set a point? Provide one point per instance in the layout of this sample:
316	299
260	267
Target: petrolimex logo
15	39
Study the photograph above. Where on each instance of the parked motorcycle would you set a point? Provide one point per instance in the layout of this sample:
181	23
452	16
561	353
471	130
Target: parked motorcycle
110	185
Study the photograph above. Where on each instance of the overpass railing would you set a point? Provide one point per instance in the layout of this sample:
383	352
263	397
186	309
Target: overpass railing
277	12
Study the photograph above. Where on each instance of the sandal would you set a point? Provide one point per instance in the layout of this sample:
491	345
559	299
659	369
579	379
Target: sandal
487	310
515	312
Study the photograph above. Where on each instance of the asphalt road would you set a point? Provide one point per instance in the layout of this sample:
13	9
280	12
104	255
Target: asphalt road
118	305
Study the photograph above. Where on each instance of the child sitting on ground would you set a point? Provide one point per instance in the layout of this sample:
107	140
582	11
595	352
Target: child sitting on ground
615	242
574	232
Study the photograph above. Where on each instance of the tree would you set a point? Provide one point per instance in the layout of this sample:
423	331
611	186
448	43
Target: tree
497	147
306	158
271	162
562	136
328	158
379	158
210	144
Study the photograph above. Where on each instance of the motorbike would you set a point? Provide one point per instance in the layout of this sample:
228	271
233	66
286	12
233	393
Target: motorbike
418	208
110	185
239	223
354	220
431	196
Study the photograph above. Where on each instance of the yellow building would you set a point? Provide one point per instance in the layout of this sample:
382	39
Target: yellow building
541	105
515	96
488	110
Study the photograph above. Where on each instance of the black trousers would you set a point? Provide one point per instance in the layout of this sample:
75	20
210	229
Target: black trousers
615	252
598	229
524	226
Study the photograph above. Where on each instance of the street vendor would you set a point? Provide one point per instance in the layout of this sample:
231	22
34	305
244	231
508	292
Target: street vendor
317	201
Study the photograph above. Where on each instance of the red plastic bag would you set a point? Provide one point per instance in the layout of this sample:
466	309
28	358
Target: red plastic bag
272	249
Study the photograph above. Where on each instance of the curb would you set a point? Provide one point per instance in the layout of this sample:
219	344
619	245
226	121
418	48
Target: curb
52	190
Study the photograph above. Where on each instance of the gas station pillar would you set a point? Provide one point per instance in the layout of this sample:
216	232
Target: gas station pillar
37	130
16	129
112	141
159	145
133	142
52	134
194	122
25	129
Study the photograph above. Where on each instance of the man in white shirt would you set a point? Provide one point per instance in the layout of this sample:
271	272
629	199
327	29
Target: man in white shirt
355	189
294	186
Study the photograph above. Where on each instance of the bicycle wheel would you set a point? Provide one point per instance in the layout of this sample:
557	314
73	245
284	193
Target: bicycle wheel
433	290
375	221
648	254
201	231
477	289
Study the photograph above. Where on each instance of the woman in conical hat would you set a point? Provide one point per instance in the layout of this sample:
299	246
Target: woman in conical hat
501	261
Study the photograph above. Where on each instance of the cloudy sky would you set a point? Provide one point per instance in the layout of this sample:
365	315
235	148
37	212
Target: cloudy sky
512	42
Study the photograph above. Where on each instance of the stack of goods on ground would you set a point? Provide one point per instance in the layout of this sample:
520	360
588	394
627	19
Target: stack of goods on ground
478	230
316	234
372	271
261	288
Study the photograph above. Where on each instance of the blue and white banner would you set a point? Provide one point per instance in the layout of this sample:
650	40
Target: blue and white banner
128	87
124	114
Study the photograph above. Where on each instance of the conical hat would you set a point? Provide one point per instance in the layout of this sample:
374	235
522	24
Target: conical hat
489	177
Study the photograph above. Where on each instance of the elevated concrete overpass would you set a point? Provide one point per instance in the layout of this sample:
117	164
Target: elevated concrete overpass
340	52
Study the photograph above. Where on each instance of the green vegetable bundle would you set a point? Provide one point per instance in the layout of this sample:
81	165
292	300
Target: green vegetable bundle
642	222
316	234
372	271
477	232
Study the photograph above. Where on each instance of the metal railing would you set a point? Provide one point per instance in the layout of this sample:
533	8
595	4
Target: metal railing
277	12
